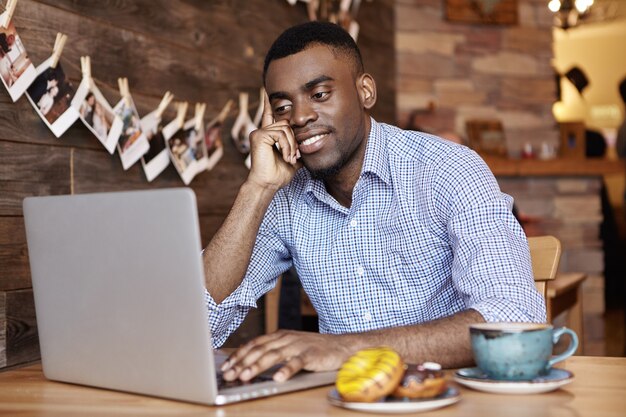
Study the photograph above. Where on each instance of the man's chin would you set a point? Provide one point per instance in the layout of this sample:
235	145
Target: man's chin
324	173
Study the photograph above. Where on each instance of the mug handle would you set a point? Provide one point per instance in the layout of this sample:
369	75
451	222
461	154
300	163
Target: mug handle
573	345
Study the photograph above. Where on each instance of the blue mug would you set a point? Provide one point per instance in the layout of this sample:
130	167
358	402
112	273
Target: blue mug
518	351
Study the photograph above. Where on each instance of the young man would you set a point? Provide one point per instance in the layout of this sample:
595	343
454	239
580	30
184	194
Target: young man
399	238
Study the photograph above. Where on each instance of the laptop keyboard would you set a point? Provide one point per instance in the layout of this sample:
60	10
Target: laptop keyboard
222	383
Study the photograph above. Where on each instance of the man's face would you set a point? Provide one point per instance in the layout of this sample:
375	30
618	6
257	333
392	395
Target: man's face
316	91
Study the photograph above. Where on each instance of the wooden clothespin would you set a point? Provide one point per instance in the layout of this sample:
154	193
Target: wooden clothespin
181	112
7	15
224	112
58	48
122	83
243	102
165	101
199	116
85	66
259	110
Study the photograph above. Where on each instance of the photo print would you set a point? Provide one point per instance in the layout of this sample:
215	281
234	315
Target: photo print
213	136
188	150
51	95
132	143
157	158
97	114
214	144
16	69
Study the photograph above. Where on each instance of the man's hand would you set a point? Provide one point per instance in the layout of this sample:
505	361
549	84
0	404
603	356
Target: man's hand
298	350
272	168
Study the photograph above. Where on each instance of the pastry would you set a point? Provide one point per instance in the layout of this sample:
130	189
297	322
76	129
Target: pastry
421	381
370	375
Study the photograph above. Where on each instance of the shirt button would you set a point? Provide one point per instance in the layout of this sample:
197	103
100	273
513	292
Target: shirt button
353	222
367	316
360	271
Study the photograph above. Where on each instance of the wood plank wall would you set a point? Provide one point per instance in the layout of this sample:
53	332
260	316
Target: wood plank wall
201	51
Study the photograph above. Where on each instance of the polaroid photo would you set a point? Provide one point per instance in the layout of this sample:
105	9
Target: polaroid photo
157	158
97	114
213	142
132	144
188	150
51	95
16	69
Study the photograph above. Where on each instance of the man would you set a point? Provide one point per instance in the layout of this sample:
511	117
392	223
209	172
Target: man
399	238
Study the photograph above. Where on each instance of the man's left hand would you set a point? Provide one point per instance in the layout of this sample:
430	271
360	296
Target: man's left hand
297	350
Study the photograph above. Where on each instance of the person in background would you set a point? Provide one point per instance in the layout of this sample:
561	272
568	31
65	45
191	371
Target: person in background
399	238
620	145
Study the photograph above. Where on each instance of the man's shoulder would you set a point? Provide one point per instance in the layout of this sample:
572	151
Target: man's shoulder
420	147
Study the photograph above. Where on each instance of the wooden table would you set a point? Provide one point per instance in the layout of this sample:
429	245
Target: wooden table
599	389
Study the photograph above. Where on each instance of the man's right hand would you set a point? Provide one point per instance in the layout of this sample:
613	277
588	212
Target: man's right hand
271	168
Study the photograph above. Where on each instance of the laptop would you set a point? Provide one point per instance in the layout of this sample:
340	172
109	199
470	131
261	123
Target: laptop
118	283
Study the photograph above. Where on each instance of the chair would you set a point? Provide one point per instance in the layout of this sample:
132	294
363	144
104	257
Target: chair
545	254
562	292
272	304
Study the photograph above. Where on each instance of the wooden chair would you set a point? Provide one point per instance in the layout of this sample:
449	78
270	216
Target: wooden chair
562	292
545	254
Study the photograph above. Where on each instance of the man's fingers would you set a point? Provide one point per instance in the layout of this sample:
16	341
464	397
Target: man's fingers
292	367
282	135
247	356
268	116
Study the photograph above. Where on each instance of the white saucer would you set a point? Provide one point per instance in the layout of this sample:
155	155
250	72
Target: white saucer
474	378
398	405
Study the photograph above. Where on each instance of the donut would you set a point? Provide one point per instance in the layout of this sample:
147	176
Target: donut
369	375
421	381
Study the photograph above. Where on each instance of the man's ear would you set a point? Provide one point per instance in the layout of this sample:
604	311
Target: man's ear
366	87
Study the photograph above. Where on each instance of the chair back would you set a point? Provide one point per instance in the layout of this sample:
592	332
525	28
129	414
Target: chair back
545	254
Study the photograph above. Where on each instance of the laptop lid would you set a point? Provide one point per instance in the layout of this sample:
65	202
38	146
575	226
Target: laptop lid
118	284
119	289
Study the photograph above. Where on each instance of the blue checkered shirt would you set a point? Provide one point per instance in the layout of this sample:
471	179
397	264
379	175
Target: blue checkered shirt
428	234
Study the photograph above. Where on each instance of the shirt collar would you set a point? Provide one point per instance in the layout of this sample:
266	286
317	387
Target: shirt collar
377	154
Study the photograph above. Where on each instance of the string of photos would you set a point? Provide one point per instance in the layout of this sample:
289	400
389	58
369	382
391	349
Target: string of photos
189	144
341	12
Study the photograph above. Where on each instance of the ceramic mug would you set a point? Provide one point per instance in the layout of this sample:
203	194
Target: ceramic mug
518	351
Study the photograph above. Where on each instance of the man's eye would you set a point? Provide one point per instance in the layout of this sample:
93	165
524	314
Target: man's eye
320	95
282	109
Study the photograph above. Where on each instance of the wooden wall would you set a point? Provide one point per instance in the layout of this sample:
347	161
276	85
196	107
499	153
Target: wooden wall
201	51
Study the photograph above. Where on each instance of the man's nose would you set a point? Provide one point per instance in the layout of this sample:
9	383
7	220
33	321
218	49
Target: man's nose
302	114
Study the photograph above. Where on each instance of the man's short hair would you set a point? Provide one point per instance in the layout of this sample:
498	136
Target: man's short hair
300	37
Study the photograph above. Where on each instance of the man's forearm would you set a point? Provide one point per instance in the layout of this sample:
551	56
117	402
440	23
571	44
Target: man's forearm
227	256
445	341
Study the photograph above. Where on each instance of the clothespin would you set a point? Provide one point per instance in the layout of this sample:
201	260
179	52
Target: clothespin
224	112
165	101
259	110
85	66
58	48
181	111
5	17
124	90
199	116
243	102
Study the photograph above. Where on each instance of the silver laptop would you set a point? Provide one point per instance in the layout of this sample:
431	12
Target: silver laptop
119	296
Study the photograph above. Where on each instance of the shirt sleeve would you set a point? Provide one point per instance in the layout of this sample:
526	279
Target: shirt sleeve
491	268
269	259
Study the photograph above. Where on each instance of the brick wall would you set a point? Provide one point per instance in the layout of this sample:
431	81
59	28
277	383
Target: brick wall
477	71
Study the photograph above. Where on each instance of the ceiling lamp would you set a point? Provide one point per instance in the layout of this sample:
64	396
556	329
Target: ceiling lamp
568	13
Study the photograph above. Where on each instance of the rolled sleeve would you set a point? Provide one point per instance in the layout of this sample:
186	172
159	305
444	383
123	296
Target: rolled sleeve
226	317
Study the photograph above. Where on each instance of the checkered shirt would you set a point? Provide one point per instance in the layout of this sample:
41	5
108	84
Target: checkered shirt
428	234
